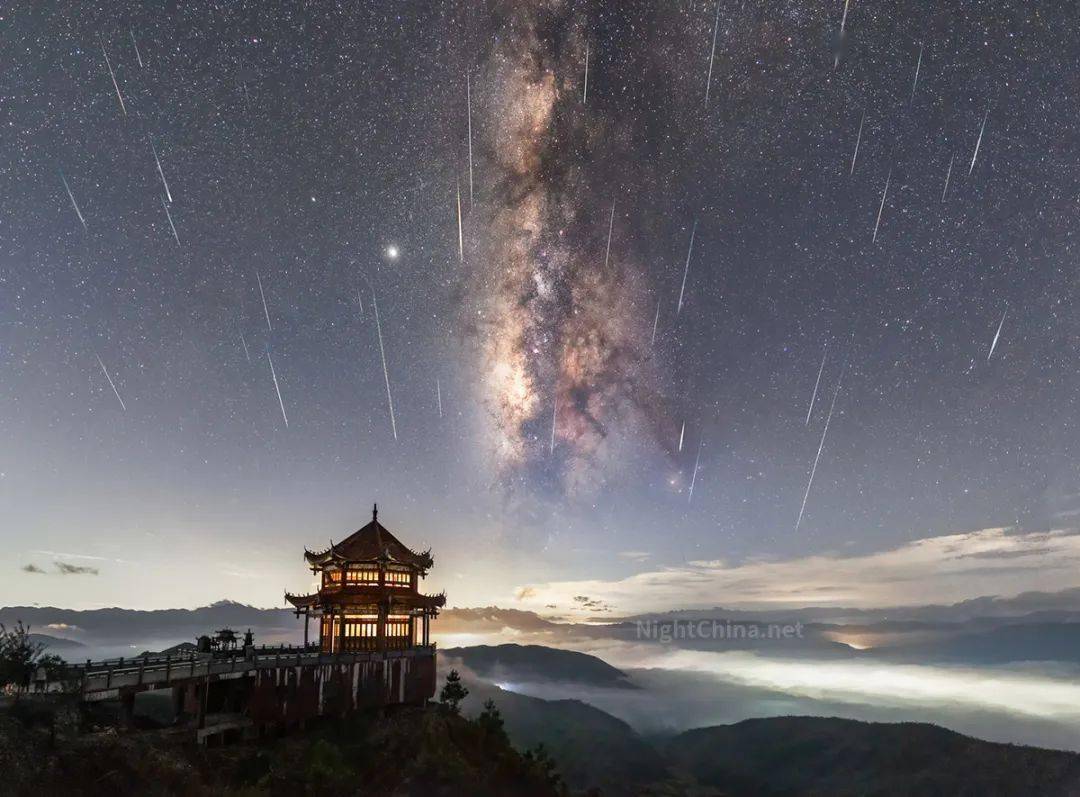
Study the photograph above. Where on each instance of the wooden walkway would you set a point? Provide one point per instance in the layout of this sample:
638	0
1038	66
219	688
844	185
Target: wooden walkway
104	680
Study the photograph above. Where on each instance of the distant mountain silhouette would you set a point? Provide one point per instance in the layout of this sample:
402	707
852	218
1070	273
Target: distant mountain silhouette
816	755
526	663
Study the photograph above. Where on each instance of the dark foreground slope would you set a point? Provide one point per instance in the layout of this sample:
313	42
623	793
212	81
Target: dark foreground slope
409	752
593	750
816	755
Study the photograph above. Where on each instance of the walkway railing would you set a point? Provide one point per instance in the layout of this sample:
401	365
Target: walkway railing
160	670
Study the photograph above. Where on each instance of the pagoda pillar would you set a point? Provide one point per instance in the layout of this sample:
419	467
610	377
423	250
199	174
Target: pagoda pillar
380	629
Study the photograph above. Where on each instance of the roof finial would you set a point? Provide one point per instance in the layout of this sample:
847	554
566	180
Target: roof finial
375	514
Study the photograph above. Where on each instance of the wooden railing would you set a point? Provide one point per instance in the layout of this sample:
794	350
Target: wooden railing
152	671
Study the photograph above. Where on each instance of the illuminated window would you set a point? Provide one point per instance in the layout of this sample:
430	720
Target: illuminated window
362	625
332	578
398	578
362	575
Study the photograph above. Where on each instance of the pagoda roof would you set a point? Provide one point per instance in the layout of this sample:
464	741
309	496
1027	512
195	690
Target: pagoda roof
372	543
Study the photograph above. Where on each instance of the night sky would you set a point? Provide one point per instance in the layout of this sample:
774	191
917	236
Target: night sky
324	149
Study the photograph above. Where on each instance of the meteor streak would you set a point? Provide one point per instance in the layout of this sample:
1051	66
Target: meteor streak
157	160
918	65
138	55
682	434
468	101
884	194
460	236
978	141
277	389
712	53
697	463
816	383
113	76
438	395
74	204
247	354
948	174
262	295
386	373
858	140
610	227
821	445
116	392
655	323
554	418
585	93
168	215
686	270
997	334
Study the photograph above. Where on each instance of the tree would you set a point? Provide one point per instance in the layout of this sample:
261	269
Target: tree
453	693
491	722
543	766
19	656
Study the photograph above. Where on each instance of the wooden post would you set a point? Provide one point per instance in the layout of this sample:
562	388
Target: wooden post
307	616
127	709
341	646
201	693
380	629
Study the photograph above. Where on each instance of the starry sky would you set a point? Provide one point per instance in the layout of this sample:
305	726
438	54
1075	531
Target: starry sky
572	289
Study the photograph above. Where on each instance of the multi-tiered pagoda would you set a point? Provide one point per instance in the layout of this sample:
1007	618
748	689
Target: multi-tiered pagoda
368	597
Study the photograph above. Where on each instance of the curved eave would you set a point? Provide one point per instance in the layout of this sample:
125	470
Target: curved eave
303	601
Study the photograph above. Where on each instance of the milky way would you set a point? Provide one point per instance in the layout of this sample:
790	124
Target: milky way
558	322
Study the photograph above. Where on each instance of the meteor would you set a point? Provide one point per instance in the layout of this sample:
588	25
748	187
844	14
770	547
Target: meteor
262	295
116	392
821	445
460	237
610	227
816	383
157	160
113	76
74	204
712	53
138	55
948	174
682	434
468	101
918	65
997	334
978	141
386	373
585	93
655	323
277	388
168	215
438	395
686	270
858	140
697	463
247	354
554	418
884	194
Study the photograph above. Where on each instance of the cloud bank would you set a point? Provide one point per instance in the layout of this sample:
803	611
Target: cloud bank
945	569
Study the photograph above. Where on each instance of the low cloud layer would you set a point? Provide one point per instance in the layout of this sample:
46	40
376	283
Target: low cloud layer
945	569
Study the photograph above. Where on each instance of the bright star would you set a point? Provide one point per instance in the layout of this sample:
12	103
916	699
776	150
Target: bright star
392	252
